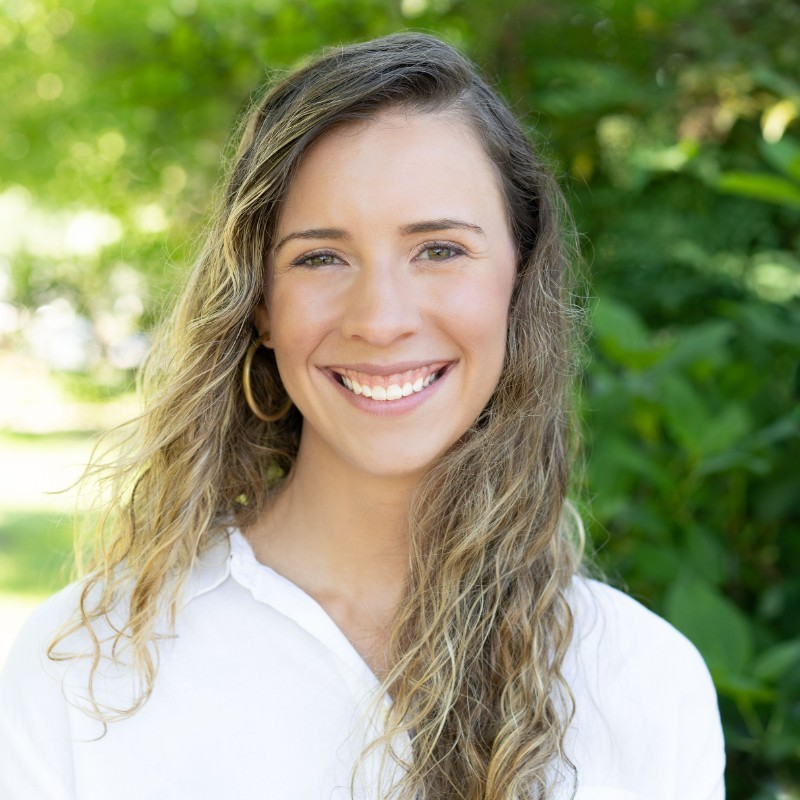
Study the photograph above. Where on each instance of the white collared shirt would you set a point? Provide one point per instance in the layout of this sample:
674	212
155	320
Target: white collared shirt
260	695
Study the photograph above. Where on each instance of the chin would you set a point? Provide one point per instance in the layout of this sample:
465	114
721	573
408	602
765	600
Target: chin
410	467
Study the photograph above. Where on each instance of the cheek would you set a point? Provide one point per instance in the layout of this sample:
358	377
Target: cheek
304	313
298	312
297	323
479	310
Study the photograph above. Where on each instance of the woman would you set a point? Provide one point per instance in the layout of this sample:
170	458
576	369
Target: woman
339	561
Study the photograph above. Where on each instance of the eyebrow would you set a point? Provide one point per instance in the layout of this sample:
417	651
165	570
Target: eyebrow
428	226
434	225
313	233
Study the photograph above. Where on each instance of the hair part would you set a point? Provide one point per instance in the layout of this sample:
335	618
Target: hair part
479	641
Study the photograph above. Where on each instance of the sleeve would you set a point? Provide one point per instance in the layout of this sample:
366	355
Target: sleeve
647	724
35	746
701	759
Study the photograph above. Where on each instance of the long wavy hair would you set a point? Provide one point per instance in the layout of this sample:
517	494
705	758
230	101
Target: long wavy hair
479	640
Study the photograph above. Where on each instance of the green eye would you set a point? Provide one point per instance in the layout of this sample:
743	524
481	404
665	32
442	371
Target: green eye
314	260
319	260
439	253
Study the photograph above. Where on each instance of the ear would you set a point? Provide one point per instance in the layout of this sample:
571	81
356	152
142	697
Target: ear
261	320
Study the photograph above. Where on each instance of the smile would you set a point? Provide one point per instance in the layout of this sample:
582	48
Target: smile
385	388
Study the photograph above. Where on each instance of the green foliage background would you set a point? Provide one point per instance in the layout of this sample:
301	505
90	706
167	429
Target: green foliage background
674	124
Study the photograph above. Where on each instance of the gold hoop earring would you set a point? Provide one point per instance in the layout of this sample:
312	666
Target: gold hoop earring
248	390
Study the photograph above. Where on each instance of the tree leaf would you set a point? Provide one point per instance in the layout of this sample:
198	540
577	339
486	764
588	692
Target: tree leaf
778	660
784	155
687	416
760	186
616	323
716	626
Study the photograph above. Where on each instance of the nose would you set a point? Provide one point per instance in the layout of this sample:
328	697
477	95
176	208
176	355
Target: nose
381	305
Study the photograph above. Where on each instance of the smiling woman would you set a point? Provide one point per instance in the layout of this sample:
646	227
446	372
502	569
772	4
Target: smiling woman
339	558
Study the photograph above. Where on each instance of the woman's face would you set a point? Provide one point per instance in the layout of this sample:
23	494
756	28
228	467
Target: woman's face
390	283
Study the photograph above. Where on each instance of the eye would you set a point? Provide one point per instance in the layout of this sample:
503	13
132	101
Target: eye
440	251
322	258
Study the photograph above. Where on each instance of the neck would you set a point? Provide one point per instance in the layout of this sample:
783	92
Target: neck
338	532
342	536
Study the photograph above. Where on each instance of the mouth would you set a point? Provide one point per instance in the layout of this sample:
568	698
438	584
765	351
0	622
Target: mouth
389	388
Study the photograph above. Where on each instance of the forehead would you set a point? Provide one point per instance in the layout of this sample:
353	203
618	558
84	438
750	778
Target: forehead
414	162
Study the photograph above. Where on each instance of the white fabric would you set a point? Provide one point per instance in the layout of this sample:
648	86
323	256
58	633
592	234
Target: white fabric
260	695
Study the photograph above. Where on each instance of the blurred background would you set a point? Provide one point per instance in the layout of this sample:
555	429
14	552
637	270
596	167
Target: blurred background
674	127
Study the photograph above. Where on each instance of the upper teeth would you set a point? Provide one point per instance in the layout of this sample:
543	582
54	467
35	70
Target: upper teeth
392	387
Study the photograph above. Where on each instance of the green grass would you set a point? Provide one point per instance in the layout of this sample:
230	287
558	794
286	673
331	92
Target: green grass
35	552
36	519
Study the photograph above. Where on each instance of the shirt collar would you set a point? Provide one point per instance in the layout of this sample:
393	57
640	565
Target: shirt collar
211	568
231	556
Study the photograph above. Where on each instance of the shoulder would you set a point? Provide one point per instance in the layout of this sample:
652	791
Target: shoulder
628	636
30	678
624	654
30	647
48	665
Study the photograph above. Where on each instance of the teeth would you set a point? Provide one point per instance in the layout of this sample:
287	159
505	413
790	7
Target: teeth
394	391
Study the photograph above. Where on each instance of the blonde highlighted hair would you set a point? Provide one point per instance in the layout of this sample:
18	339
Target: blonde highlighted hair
479	640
